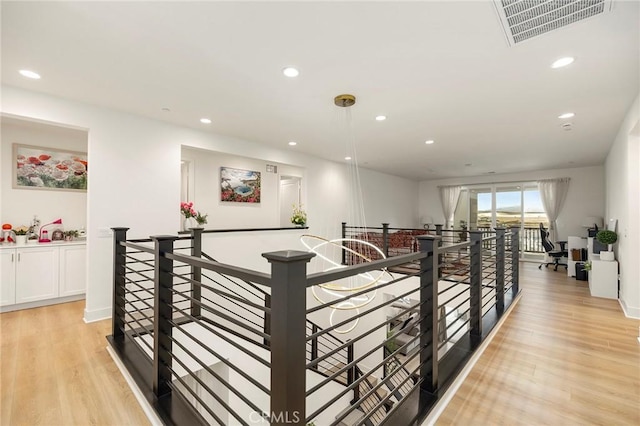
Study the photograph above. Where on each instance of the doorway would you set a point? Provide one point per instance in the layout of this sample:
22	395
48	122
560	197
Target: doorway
290	195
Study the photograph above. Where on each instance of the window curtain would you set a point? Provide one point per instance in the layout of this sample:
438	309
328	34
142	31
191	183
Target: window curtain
449	198
553	192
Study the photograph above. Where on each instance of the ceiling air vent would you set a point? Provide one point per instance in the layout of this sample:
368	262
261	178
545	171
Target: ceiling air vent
525	19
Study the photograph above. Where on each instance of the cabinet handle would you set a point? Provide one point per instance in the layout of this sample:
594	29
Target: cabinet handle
12	257
18	257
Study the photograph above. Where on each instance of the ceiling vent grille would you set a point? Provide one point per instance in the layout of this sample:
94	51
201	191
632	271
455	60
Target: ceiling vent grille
525	19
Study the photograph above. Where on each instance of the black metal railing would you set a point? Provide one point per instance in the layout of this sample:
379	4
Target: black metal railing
211	343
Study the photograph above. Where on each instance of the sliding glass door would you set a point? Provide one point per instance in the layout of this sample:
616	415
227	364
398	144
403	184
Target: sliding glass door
504	205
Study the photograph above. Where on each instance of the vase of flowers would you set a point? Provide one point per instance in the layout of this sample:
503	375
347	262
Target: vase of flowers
192	217
299	216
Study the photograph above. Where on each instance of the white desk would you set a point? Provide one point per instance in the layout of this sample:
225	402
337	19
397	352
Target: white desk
603	278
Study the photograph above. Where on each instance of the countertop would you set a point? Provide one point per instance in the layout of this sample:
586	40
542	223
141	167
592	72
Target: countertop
5	245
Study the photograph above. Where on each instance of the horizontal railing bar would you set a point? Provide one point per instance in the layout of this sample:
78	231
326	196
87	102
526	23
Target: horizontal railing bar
363	335
220	357
242	273
233	291
334	275
150	279
137	345
143	301
348	320
208	369
455	273
137	246
232	312
361	357
335	338
222	315
197	397
448	339
359	293
457	295
252	285
373	390
222	293
136	283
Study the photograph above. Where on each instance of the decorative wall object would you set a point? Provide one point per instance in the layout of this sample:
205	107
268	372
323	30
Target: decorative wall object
49	168
239	186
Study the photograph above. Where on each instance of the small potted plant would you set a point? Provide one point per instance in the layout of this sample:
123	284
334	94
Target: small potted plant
70	235
607	237
201	219
299	216
21	234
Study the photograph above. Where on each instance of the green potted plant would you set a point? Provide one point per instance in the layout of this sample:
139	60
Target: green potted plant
70	235
607	237
299	216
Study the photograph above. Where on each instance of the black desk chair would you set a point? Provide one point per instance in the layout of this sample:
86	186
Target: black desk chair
549	248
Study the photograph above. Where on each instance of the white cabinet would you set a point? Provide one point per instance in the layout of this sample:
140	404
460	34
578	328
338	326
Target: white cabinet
603	278
36	274
41	274
73	268
7	277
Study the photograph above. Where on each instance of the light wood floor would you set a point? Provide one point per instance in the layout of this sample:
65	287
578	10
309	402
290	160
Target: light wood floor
561	358
55	370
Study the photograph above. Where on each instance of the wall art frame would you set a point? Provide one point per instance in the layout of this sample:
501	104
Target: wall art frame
46	168
239	185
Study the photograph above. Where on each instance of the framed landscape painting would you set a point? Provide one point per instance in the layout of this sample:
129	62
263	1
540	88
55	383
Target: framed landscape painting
239	186
49	168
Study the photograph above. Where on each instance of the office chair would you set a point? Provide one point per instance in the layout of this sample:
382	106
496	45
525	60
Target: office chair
549	248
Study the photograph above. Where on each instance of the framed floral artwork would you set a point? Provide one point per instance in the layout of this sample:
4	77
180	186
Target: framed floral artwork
37	167
239	186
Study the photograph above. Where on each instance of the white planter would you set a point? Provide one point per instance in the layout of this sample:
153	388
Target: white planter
607	255
21	239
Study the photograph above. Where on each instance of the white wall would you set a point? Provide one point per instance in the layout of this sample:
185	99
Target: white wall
18	206
623	203
135	180
205	165
586	196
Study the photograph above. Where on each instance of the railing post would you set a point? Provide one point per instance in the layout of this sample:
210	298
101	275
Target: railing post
429	313
344	244
439	230
515	260
288	335
352	373
196	271
119	260
500	270
475	278
267	319
314	345
385	239
162	315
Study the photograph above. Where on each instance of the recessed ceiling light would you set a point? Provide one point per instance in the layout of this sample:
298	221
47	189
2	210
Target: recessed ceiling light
381	117
290	72
566	115
165	109
562	62
468	165
205	121
30	74
292	143
429	142
347	158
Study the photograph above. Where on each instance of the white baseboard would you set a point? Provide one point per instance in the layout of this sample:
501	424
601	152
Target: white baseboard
97	315
442	403
629	312
41	303
144	404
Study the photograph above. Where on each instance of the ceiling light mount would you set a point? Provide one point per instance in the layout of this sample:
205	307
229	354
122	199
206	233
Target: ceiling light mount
344	101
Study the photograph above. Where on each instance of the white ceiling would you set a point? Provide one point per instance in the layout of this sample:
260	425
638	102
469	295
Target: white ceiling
437	70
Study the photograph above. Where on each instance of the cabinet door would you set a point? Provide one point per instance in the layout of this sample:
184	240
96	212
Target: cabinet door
36	274
73	270
7	277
